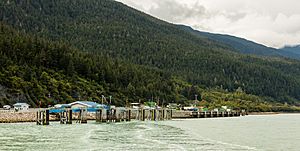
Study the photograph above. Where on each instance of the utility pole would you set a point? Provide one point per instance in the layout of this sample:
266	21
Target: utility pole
196	99
102	99
110	100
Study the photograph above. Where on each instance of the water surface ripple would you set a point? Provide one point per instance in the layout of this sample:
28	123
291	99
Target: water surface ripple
278	132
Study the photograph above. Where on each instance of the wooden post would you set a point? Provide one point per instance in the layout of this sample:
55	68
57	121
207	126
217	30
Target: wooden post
140	114
83	116
107	115
98	115
46	117
61	116
117	116
155	114
168	114
69	116
143	114
149	115
129	115
114	115
124	116
37	118
104	115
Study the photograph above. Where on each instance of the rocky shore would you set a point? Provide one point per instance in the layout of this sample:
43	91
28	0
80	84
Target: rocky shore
16	117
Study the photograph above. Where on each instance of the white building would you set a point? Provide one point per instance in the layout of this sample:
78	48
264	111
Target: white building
85	104
21	107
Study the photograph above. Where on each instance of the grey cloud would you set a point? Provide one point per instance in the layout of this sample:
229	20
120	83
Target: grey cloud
236	16
273	23
175	12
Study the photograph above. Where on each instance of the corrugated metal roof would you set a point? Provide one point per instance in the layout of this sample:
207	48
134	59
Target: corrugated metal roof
88	104
22	104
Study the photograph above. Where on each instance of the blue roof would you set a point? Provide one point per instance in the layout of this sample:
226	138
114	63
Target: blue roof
73	110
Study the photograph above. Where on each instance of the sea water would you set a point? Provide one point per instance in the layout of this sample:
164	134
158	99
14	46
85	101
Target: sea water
271	132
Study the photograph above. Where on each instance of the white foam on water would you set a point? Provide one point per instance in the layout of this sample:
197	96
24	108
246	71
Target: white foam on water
141	135
233	145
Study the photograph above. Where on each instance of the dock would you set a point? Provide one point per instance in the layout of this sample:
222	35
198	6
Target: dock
68	115
207	114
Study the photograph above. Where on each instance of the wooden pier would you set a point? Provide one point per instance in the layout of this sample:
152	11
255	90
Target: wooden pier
66	116
114	115
214	114
153	114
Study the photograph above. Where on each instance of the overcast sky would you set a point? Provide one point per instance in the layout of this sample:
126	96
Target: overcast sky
274	23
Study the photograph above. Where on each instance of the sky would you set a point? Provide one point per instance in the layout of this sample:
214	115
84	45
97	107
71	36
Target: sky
274	23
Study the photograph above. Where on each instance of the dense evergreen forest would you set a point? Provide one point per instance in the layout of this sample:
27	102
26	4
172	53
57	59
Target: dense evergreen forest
82	49
55	72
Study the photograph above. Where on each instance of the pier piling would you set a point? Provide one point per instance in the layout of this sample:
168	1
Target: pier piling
42	117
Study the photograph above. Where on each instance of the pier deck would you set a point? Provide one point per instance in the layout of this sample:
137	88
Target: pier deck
66	116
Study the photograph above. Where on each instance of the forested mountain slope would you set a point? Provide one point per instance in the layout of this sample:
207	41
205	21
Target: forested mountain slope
239	44
35	69
245	46
291	51
116	31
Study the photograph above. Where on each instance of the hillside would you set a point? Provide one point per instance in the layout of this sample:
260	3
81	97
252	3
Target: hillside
116	31
67	75
34	69
245	46
291	51
240	45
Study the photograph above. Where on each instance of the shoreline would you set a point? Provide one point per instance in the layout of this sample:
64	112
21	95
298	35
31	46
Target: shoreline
23	117
271	113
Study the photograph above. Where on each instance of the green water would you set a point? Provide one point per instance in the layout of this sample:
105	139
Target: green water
273	132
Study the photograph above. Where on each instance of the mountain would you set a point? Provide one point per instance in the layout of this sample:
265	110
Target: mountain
34	69
291	51
245	46
117	32
42	73
240	45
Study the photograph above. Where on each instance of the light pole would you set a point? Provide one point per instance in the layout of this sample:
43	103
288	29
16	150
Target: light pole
110	100
196	99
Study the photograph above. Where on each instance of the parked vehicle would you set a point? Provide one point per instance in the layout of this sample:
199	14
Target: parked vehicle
6	107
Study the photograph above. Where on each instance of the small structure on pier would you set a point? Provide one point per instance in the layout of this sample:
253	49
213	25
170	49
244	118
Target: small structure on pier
85	104
21	106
